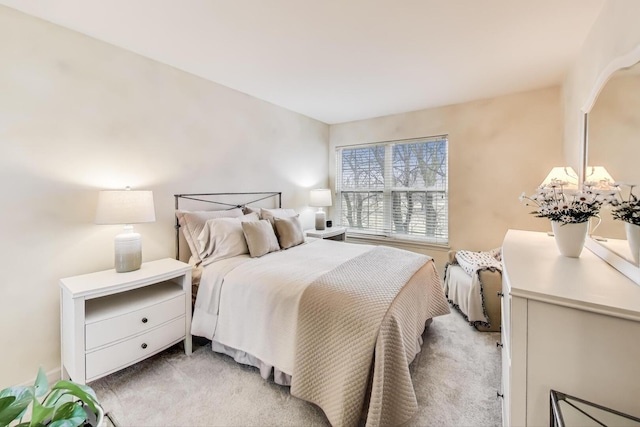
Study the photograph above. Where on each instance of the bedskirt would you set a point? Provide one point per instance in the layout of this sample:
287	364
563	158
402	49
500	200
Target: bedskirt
270	372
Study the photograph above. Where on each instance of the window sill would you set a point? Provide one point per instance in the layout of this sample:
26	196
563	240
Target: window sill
396	242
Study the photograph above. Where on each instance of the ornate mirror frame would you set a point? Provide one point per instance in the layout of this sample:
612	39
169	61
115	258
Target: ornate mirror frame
626	267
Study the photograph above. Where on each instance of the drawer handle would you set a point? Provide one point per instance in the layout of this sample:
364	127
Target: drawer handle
500	395
499	344
145	320
144	345
500	294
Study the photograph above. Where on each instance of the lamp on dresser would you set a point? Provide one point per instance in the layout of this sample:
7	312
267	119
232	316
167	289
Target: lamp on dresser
600	176
596	174
126	207
320	198
562	173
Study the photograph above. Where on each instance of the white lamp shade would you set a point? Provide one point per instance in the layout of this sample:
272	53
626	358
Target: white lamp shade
562	173
600	176
125	207
320	198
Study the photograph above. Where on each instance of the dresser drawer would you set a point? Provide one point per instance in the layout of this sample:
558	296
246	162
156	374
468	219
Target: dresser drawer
132	323
125	353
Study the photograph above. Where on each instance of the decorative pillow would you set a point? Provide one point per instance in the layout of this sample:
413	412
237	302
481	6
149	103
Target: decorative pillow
497	253
192	223
251	209
223	238
473	261
277	213
289	231
260	237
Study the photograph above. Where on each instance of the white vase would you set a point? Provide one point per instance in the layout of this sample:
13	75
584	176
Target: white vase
570	237
633	238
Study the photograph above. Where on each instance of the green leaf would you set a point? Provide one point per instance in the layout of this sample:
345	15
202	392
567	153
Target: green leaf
5	402
58	408
40	413
42	384
69	414
16	391
82	392
57	397
20	397
66	423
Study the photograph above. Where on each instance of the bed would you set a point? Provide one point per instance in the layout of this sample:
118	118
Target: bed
337	322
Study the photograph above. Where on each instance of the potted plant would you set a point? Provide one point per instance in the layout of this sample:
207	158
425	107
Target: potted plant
628	210
67	404
569	212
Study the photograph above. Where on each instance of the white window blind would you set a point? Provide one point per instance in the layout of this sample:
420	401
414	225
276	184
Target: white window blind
395	189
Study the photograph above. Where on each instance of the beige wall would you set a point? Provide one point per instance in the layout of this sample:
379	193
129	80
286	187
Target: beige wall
615	33
77	116
498	148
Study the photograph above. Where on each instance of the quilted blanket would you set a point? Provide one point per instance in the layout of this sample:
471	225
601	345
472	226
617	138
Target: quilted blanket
376	303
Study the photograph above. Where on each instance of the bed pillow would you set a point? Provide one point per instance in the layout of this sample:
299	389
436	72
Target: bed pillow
223	238
473	261
192	223
251	209
288	231
277	213
260	237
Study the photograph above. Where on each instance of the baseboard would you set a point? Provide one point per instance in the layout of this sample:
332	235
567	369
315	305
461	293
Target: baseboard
52	376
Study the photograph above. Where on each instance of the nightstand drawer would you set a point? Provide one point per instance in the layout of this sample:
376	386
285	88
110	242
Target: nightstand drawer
116	328
109	359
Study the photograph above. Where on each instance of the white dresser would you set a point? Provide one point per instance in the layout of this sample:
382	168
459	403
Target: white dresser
112	320
569	324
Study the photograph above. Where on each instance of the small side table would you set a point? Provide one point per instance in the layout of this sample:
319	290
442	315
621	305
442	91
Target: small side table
333	233
112	320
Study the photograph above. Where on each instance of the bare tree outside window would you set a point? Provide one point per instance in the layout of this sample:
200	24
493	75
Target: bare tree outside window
396	189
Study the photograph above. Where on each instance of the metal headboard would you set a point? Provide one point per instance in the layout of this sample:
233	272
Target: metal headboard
202	197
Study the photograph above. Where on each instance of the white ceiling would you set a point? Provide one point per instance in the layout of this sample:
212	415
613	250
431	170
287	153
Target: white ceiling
344	60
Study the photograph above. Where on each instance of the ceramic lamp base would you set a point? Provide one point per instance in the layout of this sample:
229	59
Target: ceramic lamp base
320	220
128	252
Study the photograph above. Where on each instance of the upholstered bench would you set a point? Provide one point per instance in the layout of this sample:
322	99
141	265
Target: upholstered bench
472	282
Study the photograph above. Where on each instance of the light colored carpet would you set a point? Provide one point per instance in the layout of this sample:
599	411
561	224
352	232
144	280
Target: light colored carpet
456	378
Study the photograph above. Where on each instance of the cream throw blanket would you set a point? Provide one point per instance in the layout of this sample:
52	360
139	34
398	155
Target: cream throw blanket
350	311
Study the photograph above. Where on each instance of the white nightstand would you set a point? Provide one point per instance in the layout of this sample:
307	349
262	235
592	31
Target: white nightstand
333	233
111	320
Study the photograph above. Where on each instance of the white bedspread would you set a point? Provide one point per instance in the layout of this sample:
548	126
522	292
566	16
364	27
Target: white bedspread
245	303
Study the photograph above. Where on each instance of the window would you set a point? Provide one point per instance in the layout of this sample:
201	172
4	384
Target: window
395	189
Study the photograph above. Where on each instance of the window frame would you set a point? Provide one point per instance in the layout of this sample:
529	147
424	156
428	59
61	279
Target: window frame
386	233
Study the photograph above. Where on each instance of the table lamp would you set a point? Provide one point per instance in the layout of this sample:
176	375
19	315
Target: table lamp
563	173
126	207
600	176
320	198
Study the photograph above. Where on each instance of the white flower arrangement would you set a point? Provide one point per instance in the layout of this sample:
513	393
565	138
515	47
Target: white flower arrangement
555	202
625	210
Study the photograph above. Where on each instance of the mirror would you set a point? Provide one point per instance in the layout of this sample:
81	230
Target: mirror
612	140
613	129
